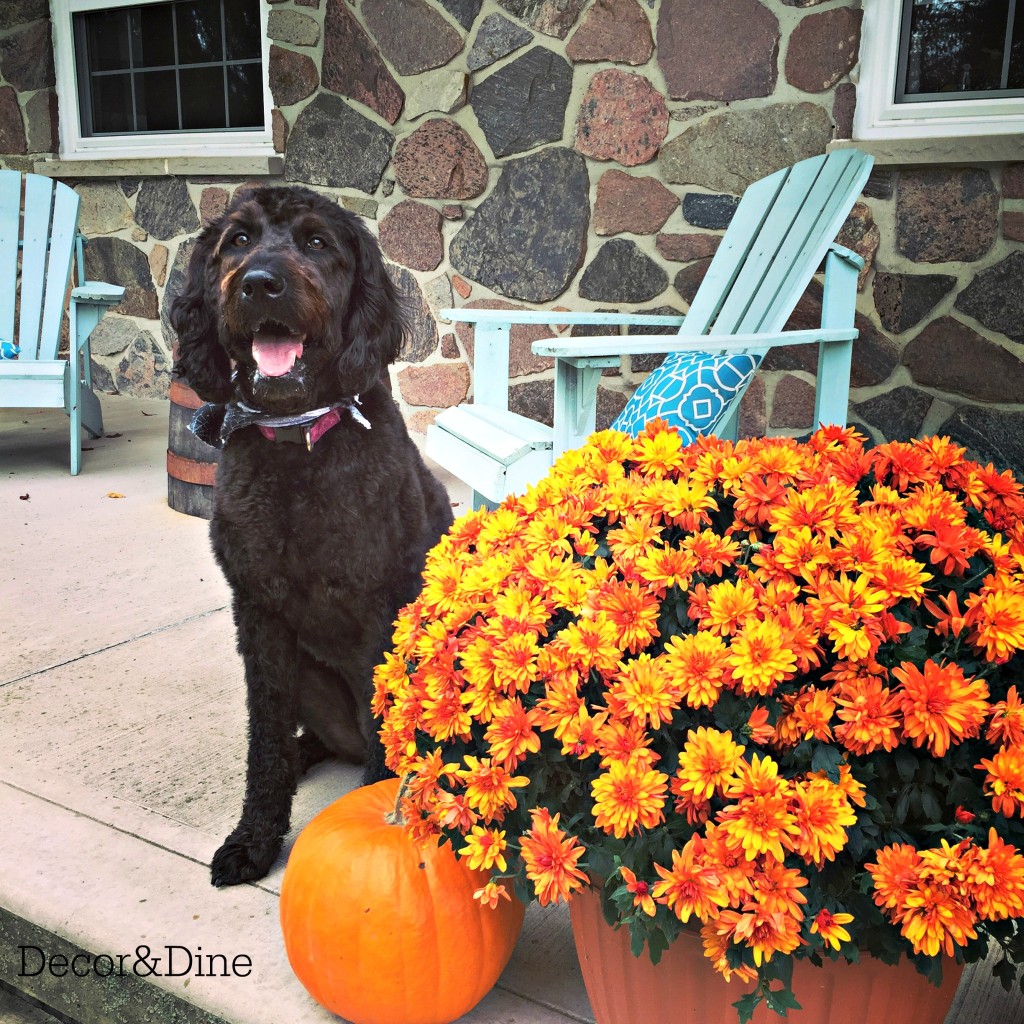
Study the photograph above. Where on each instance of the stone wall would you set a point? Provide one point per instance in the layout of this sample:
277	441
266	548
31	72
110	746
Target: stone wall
579	154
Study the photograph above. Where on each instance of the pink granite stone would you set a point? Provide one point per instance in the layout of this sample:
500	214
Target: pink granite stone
410	234
622	118
613	30
440	161
637	205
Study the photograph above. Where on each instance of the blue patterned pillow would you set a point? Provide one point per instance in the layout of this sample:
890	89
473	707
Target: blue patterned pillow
690	390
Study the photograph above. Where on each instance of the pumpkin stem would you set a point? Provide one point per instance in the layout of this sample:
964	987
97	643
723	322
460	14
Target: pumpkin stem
396	817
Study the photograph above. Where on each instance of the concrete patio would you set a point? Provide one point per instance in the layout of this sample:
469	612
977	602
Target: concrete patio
122	726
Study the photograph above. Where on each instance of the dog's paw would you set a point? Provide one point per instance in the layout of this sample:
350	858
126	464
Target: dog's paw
242	859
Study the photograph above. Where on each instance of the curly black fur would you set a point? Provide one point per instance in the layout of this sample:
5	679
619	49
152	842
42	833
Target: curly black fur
321	548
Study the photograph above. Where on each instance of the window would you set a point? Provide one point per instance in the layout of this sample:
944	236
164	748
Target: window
140	78
934	68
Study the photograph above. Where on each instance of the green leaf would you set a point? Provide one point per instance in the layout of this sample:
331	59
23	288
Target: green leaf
780	1000
746	1006
930	805
827	759
906	763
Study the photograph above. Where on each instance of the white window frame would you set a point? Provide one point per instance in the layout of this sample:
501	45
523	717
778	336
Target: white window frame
879	117
75	146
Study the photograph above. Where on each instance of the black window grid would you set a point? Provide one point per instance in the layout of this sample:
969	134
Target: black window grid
86	74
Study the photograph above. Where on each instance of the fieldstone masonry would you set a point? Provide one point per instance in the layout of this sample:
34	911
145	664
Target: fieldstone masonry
576	154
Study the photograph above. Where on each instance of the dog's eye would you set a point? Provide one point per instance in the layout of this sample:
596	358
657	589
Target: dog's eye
316	242
240	240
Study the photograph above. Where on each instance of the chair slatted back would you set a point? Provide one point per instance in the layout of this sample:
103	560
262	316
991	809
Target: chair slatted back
39	222
780	233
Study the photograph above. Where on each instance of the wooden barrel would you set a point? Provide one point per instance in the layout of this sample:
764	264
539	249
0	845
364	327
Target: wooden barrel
191	464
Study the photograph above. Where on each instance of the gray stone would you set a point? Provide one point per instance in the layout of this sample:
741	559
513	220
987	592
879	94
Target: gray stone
21	12
119	262
948	356
112	335
729	54
421	340
620	272
522	105
26	58
527	239
331	144
552	17
898	414
353	67
443	92
989	436
438	294
129	186
904	300
731	150
175	284
463	11
293	76
411	35
709	211
293	27
103	209
41	122
534	399
945	214
995	298
12	128
497	37
881	184
165	209
360	205
144	372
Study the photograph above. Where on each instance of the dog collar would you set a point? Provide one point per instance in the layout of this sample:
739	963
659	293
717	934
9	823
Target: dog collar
214	423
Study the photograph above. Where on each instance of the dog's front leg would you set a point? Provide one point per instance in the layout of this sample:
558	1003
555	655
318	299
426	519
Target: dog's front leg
269	651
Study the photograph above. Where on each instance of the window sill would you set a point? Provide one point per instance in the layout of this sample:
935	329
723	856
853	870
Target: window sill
221	166
964	149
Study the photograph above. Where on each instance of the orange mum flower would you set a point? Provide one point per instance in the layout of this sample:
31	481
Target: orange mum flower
645	689
869	714
708	759
551	858
759	659
934	919
691	886
940	706
634	613
489	787
491	894
758	824
698	663
511	735
627	795
1004	782
1006	721
777	889
729	605
485	849
592	643
996	880
765	933
640	890
997	624
830	927
823	813
894	874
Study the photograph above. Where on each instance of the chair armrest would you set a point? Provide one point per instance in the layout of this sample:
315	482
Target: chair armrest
99	292
554	318
577	348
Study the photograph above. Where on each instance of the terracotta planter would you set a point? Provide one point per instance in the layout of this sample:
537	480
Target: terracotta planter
683	987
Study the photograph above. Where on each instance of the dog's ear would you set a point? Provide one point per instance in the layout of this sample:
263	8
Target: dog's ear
376	321
201	357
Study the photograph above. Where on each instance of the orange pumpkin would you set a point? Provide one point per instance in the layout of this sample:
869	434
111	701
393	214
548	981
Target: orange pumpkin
381	931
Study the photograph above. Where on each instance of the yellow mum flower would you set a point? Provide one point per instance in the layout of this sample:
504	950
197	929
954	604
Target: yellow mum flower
627	796
485	849
707	761
644	689
759	659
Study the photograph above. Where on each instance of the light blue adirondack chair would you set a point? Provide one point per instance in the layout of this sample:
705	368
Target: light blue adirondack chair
38	239
783	228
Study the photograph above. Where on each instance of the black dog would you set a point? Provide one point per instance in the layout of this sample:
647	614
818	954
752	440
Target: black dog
324	510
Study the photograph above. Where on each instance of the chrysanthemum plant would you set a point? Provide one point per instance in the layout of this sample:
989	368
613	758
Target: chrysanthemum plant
766	689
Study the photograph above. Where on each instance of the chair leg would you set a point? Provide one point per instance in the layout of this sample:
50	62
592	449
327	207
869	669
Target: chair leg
74	408
92	414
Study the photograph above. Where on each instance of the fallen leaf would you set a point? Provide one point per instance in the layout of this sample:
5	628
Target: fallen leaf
111	435
24	497
114	494
144	413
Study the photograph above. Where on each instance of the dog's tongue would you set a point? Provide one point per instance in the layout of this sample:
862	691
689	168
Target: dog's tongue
275	354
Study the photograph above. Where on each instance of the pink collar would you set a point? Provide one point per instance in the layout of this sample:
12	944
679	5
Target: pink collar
310	433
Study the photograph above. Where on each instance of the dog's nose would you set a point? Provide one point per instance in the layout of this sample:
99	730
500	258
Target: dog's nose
262	284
